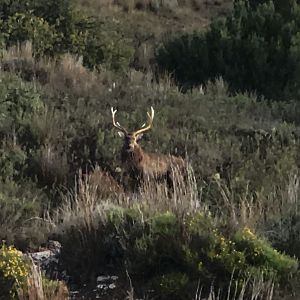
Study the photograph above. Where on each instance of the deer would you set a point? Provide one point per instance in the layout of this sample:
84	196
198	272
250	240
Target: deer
142	165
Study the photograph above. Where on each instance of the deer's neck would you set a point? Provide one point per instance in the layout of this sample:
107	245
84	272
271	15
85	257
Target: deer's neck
133	157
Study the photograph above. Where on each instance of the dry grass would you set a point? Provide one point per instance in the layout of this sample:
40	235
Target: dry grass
87	208
19	52
257	210
259	287
90	202
56	75
98	192
54	165
71	74
38	288
102	184
156	17
19	59
203	7
180	198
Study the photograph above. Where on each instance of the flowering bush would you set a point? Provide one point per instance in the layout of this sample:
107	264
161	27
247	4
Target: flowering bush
13	271
258	253
172	254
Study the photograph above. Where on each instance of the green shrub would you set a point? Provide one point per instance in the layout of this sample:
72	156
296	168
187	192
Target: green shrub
259	253
103	47
21	206
24	26
56	28
20	103
53	11
12	161
284	233
53	27
160	249
75	132
171	286
254	49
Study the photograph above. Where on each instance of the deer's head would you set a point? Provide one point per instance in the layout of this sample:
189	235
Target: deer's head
131	138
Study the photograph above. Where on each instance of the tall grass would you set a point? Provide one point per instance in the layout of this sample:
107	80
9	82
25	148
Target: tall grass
38	287
86	217
260	289
97	193
259	210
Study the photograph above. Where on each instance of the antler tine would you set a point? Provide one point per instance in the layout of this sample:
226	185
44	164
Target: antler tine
116	124
150	121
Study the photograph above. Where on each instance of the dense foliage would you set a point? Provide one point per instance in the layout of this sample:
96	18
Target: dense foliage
13	271
57	28
256	48
172	255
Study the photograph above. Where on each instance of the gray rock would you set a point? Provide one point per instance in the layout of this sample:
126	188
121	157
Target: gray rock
112	286
48	259
103	278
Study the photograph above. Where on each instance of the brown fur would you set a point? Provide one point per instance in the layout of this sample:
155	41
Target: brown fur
142	165
150	165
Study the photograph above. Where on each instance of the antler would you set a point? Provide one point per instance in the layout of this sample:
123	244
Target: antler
150	121
117	124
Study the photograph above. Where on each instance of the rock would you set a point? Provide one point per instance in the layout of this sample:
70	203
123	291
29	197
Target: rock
48	260
103	278
106	287
106	284
112	286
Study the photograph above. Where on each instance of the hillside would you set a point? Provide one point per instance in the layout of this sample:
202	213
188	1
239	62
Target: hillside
219	219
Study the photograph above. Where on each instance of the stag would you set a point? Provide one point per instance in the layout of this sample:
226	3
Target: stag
142	165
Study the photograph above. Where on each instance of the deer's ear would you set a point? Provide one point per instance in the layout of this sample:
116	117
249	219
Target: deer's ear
121	134
139	136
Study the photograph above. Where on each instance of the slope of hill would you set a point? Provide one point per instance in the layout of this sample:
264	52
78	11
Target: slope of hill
229	228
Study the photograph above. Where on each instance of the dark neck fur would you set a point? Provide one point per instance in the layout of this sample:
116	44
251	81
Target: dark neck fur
134	156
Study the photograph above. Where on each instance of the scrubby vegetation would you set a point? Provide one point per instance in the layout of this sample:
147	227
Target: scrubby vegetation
253	49
13	270
21	279
225	93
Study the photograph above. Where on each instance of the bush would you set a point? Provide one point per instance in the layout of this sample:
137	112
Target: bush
22	27
172	286
103	48
20	103
53	11
284	232
254	49
54	32
48	25
170	254
20	205
13	272
259	253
